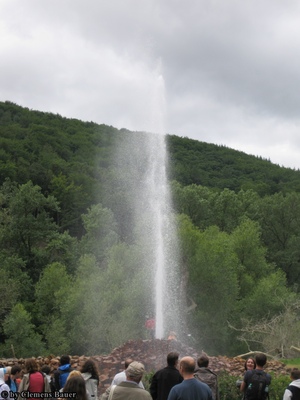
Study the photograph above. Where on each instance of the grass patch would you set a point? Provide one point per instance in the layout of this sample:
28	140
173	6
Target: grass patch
291	362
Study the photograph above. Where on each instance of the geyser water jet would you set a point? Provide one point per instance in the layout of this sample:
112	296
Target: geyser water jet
157	202
144	158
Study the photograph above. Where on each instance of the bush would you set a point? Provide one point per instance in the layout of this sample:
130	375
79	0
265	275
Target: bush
227	387
229	390
278	386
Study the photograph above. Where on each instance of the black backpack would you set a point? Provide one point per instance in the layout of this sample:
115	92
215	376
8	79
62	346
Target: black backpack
257	386
295	392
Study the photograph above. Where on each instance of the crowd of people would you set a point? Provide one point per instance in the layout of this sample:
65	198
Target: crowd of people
180	380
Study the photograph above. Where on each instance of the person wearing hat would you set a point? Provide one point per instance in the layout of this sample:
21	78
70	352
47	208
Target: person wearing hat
130	388
121	376
4	388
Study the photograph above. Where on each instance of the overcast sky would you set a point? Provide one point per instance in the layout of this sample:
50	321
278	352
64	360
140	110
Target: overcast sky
219	71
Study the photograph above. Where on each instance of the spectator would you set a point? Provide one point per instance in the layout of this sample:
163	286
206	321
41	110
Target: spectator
292	392
130	389
62	372
205	375
33	381
121	376
164	379
191	388
75	384
256	381
13	380
90	375
4	388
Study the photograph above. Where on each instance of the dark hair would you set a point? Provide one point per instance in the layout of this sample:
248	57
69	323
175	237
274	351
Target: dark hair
250	358
295	374
64	360
31	365
76	384
261	359
172	358
15	369
203	361
46	369
90	366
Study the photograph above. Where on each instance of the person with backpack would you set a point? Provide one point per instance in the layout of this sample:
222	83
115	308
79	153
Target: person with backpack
292	392
33	381
62	372
256	382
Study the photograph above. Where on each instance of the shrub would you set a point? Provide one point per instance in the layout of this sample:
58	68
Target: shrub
229	390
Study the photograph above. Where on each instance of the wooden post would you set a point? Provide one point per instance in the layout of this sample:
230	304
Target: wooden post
13	351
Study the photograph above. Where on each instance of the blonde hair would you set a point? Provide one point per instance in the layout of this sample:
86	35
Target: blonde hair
73	373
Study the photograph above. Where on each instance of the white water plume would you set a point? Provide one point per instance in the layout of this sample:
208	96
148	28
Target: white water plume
144	160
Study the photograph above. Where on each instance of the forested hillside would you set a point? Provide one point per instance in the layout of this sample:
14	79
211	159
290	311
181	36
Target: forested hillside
71	280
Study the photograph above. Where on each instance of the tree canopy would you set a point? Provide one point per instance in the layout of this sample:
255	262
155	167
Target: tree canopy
73	269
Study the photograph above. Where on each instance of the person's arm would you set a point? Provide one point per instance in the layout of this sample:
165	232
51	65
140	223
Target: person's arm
56	380
172	394
153	387
243	386
105	395
245	382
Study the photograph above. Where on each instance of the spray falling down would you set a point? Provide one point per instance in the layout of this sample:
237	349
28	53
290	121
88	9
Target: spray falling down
142	158
161	230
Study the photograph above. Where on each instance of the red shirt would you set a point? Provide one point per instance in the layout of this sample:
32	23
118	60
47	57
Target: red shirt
36	382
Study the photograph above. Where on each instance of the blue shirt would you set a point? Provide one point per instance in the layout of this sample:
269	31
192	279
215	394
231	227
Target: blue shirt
190	389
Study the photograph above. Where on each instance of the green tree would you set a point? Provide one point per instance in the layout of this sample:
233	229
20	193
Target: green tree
20	333
279	217
101	232
26	224
247	246
49	292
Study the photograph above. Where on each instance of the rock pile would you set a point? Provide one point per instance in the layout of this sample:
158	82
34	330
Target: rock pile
153	354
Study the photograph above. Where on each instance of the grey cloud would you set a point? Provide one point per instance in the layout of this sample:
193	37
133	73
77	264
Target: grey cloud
230	68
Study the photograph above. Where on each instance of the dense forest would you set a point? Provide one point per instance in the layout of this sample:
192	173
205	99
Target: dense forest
70	271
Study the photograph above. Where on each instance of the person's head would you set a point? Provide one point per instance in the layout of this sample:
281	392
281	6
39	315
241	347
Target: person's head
64	360
31	365
127	362
187	366
295	374
75	372
261	360
90	367
54	364
134	371
250	364
46	369
4	374
16	371
203	361
172	336
76	384
172	358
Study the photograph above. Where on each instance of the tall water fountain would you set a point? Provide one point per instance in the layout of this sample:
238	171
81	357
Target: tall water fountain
144	155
